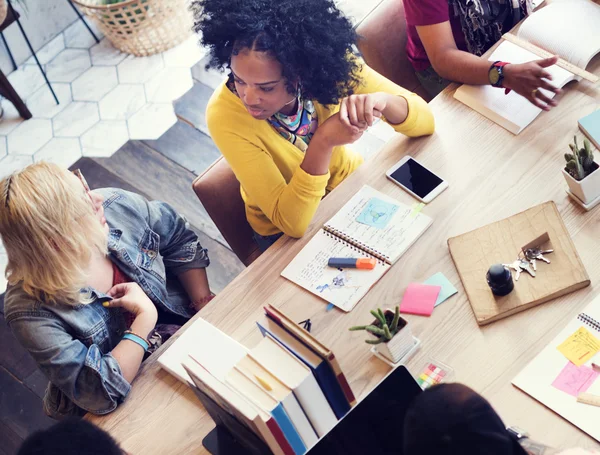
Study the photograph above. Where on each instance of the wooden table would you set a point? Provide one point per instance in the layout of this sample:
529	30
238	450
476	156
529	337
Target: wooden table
492	175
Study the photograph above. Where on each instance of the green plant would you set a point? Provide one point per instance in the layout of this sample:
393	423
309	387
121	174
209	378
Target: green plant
383	329
580	163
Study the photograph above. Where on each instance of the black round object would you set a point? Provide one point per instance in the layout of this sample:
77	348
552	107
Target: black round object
500	280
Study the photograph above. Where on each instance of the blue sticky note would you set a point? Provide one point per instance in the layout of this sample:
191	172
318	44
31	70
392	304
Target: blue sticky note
590	125
377	213
447	291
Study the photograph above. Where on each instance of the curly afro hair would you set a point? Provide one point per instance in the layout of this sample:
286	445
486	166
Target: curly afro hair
311	39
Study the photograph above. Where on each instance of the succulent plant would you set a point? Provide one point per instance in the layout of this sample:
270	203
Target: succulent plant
580	163
381	329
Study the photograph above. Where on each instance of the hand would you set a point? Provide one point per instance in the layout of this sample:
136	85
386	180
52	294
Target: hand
334	131
527	78
361	110
132	299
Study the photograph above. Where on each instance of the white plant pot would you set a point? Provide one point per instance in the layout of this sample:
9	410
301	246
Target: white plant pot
400	344
587	189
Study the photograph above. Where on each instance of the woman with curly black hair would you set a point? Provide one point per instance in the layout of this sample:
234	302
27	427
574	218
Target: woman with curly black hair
295	96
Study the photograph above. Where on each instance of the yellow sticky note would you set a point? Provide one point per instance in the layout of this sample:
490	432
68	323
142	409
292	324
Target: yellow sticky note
580	347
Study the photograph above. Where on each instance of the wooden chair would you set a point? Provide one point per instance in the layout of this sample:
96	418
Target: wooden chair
219	191
382	43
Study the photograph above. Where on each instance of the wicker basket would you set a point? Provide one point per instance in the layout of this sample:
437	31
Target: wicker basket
141	27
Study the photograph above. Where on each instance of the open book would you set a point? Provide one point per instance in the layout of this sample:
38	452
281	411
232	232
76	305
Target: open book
567	28
556	382
371	224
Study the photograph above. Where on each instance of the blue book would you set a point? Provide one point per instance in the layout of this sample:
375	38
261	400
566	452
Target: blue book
289	431
321	370
590	126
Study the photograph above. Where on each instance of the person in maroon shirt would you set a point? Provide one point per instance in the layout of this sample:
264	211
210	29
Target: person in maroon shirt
446	39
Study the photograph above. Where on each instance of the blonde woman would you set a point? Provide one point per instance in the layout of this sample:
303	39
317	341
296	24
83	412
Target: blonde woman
90	274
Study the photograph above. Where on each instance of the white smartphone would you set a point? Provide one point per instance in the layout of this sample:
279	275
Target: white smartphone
416	179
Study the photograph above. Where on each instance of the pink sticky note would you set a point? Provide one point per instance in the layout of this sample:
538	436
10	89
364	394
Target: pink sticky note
575	380
419	299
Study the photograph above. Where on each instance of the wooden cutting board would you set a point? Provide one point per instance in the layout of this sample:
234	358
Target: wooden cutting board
500	242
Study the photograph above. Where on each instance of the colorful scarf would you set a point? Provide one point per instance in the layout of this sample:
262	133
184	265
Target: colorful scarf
482	20
298	128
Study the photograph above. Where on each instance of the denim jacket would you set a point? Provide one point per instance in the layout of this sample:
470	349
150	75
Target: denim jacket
72	345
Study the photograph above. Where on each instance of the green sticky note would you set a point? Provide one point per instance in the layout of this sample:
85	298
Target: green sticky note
447	291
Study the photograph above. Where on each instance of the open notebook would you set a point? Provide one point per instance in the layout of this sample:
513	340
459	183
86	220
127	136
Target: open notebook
371	224
555	381
567	28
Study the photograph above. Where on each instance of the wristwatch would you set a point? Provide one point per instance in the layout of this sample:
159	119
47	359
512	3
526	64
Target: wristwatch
496	73
517	432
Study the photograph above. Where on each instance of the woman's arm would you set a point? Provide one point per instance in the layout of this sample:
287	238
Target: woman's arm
460	66
404	110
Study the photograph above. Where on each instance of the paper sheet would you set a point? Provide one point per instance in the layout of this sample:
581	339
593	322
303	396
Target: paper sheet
575	380
447	289
419	299
580	347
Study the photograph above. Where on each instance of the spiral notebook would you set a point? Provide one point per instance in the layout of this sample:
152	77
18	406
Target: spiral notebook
555	381
371	224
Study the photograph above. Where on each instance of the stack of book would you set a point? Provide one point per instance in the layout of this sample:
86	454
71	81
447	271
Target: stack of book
284	394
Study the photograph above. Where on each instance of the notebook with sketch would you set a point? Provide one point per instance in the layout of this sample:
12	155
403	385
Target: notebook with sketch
555	381
371	224
568	29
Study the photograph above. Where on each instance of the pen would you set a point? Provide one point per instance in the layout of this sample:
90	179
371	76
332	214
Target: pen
596	368
354	263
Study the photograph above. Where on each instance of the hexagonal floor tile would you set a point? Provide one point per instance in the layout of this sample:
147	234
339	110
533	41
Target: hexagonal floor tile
11	163
26	80
75	119
11	118
42	103
168	85
104	53
68	65
186	54
122	102
29	136
105	138
3	147
151	121
134	70
63	151
94	83
49	51
77	36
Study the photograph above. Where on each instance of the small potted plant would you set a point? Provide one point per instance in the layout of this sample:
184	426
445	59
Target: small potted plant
392	336
581	172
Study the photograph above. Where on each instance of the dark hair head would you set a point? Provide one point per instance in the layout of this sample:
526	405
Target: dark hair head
71	436
311	39
451	419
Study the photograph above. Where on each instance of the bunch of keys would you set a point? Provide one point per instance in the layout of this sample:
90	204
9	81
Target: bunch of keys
529	262
533	254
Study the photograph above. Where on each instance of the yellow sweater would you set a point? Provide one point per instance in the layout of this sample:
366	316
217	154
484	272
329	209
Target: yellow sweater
278	194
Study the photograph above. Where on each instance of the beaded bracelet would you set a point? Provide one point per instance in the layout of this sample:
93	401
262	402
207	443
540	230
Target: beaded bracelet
129	335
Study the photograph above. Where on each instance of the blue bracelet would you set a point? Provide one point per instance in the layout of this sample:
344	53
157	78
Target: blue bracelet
136	339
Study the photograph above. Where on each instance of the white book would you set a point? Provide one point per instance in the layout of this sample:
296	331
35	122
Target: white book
567	28
277	360
279	391
213	349
371	224
543	376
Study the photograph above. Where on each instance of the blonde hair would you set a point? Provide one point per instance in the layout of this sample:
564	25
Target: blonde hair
50	231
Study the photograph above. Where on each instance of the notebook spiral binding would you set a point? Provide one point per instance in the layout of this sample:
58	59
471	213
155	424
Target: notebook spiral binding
358	246
589	321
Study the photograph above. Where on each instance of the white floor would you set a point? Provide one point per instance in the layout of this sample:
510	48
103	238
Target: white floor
106	98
